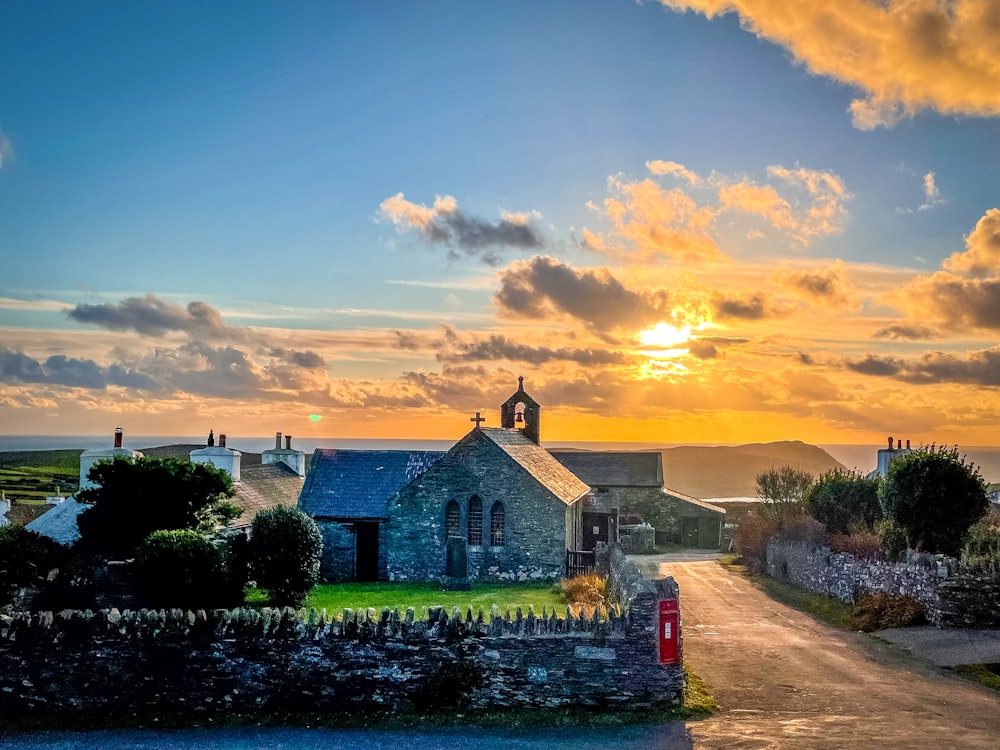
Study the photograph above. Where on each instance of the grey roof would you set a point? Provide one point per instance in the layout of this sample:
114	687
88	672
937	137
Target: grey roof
694	501
262	487
614	468
539	463
358	484
59	523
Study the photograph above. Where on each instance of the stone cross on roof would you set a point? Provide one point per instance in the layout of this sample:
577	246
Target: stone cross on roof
477	419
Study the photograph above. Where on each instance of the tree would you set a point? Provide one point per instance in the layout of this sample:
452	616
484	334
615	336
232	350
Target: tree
843	501
934	496
284	550
181	568
780	491
137	497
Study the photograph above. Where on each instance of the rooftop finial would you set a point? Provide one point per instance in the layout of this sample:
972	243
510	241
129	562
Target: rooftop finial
477	419
520	382
211	438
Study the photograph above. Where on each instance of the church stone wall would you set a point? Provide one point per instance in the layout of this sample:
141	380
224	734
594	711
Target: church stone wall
337	561
114	664
535	521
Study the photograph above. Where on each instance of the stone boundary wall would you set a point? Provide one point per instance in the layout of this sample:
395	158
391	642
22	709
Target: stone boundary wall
951	595
272	660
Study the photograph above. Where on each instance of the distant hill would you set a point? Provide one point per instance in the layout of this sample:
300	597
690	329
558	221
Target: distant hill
729	471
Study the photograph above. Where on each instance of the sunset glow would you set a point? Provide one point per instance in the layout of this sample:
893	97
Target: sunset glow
679	221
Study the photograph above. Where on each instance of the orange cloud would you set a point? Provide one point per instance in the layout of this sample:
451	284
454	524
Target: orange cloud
982	254
830	288
905	55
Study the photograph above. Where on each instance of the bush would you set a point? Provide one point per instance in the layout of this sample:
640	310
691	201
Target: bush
780	491
284	549
982	546
589	591
180	569
892	540
864	544
750	541
843	500
804	529
935	496
26	559
881	611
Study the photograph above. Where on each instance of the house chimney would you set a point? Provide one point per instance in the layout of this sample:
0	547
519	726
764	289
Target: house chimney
899	444
222	440
890	442
277	441
907	445
119	434
211	438
288	442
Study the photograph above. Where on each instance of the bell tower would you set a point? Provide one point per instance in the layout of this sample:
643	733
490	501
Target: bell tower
521	412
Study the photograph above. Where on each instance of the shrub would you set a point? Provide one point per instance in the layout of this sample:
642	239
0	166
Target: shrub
750	541
585	591
892	540
880	611
864	544
804	529
284	550
843	500
180	569
26	558
780	490
935	496
982	546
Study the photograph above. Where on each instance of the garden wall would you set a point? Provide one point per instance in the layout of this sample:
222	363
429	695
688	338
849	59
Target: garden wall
272	660
951	595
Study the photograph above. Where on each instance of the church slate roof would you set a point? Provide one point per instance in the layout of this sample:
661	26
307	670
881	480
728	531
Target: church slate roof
357	484
539	463
614	468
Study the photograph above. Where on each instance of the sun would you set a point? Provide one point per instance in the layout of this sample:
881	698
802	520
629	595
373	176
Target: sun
665	335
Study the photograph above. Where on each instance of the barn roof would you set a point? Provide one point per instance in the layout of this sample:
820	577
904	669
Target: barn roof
539	463
614	468
357	484
59	523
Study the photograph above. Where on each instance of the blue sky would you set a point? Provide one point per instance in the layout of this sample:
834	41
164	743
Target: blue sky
599	169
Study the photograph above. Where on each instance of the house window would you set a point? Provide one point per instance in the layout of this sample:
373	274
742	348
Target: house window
496	524
475	522
452	519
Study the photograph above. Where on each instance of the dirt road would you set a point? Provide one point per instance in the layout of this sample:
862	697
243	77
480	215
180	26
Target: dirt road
784	680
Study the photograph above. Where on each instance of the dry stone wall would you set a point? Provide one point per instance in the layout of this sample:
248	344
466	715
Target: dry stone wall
951	595
271	660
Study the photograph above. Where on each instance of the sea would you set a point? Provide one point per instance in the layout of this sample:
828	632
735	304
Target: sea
860	457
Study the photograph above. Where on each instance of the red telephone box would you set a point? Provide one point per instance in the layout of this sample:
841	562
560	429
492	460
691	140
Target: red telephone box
669	632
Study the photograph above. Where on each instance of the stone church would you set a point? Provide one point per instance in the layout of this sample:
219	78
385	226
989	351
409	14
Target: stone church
517	511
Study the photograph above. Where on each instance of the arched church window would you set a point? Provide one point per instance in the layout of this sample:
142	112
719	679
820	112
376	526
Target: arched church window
496	524
452	519
475	522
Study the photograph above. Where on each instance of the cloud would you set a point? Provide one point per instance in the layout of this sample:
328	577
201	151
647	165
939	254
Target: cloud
980	368
18	367
954	302
446	224
498	347
541	288
650	222
906	56
904	332
982	253
658	167
830	288
728	305
932	194
305	359
152	316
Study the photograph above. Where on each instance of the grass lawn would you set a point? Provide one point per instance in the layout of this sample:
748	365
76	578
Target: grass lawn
337	596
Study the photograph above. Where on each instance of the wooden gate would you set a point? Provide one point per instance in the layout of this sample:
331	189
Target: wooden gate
579	562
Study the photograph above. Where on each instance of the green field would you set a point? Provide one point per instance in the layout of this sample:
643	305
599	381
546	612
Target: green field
335	597
28	477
